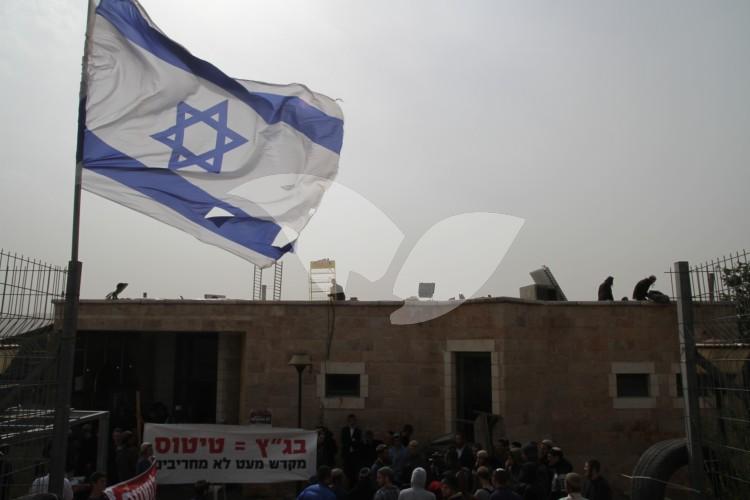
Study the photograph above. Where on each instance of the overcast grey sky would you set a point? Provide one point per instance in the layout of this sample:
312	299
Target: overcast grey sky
618	131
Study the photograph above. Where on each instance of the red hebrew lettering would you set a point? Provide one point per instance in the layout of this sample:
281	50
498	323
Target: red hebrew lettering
263	445
161	444
287	447
215	445
189	445
302	446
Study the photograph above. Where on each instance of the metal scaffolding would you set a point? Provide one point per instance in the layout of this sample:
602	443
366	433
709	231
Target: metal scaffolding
321	273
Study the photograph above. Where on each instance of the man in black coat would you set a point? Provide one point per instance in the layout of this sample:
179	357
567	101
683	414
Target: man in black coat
605	289
640	292
461	453
351	447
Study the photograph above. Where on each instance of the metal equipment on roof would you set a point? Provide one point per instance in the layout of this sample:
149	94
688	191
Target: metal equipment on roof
544	277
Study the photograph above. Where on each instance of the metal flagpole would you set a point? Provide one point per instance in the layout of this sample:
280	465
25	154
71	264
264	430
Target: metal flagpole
66	346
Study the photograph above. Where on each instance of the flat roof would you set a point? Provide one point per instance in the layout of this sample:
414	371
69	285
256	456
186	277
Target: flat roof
391	303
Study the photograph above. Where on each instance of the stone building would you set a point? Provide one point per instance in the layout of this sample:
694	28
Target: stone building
600	378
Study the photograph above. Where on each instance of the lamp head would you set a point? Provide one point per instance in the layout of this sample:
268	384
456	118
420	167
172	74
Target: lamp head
300	361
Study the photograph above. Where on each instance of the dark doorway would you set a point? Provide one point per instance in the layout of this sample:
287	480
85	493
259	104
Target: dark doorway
165	370
110	369
195	378
473	389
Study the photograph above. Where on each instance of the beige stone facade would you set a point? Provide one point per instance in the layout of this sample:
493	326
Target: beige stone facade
554	365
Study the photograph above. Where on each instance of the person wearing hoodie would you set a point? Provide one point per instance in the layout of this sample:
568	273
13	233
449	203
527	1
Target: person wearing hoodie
417	490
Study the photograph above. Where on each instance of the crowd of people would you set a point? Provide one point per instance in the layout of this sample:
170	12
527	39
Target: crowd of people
398	468
358	466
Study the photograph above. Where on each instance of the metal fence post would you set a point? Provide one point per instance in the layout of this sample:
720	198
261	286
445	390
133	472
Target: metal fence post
102	444
689	376
66	360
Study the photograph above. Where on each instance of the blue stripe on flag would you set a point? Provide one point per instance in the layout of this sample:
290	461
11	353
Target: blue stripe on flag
173	191
322	129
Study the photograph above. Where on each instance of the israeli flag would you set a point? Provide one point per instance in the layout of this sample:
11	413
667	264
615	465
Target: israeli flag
238	164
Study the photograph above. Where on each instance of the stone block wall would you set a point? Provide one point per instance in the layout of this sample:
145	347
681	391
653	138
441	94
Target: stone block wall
553	365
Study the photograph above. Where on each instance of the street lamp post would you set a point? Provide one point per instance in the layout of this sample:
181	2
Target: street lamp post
300	361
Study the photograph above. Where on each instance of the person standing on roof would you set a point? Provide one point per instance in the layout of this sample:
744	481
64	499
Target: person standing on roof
336	292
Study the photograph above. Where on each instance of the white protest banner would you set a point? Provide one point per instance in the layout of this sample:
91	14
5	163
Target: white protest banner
186	453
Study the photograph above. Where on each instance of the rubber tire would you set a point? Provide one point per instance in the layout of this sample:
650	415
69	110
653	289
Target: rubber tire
660	462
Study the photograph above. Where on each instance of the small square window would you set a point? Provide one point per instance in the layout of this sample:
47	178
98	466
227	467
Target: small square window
342	385
632	385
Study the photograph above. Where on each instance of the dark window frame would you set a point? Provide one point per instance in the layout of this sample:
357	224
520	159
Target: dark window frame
631	385
343	385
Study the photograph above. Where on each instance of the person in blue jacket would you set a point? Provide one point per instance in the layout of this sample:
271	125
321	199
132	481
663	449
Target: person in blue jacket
320	490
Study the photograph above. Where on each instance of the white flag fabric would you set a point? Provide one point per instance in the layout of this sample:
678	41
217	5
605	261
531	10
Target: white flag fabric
239	164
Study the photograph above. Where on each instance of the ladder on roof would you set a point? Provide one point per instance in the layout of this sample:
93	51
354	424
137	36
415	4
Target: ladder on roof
278	271
257	283
258	290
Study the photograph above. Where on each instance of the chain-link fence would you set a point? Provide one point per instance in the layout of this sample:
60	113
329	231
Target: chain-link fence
722	369
27	368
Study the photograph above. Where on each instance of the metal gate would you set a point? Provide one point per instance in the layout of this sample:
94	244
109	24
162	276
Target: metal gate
719	421
27	368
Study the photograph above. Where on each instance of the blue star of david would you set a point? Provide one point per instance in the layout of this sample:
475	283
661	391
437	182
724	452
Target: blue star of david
216	118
